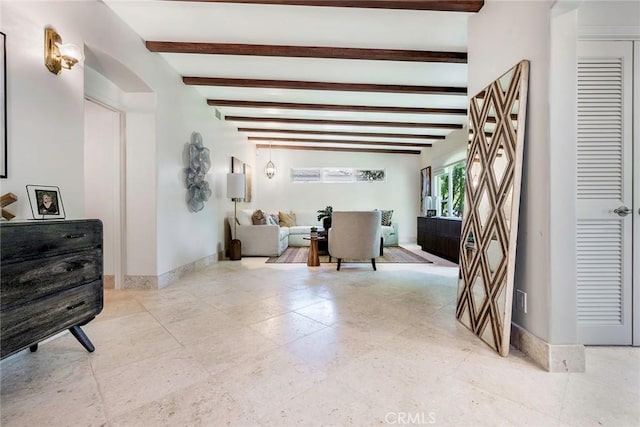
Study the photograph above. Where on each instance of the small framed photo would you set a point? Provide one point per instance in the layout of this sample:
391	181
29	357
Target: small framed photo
45	201
431	212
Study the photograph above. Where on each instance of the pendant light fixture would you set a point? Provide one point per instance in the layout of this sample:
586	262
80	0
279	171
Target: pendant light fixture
270	169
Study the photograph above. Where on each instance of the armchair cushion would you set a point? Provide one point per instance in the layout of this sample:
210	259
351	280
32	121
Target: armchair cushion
355	235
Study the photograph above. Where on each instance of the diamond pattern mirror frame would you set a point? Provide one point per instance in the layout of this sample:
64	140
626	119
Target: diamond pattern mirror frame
492	201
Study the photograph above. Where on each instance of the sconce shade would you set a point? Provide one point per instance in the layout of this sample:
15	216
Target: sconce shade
270	169
57	55
235	186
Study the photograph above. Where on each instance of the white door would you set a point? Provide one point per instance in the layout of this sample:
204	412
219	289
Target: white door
604	192
102	175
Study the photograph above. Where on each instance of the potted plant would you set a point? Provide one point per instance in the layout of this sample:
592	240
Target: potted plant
325	216
314	231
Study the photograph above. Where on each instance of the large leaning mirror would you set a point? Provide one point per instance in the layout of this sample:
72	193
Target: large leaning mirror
492	201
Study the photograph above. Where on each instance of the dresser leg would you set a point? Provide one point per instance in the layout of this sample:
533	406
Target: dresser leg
33	348
82	338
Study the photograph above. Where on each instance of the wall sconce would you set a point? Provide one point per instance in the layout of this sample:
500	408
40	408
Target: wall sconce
270	169
57	55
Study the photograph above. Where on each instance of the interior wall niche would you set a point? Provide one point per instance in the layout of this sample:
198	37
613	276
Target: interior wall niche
497	117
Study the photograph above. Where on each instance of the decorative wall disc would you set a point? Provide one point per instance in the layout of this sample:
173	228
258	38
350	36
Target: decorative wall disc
199	164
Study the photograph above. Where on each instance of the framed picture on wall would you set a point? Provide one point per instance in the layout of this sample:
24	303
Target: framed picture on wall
3	105
45	201
247	182
425	188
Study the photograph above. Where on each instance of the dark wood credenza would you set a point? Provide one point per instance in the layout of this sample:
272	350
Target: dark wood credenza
51	279
440	236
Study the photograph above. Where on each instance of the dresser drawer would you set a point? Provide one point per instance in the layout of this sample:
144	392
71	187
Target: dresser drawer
22	241
24	325
25	281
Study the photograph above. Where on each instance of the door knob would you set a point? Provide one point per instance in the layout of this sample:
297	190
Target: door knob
622	211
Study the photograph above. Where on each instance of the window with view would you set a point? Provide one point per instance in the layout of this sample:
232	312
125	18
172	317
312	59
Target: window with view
449	190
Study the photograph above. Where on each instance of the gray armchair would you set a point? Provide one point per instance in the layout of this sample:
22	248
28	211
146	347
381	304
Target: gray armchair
355	235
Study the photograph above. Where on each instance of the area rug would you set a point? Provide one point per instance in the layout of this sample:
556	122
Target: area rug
391	254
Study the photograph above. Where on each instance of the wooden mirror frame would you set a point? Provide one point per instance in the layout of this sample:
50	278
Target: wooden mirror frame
492	202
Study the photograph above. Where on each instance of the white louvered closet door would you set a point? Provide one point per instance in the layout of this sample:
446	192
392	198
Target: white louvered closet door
604	178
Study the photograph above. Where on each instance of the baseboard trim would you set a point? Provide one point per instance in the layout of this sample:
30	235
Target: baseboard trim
109	281
165	279
551	357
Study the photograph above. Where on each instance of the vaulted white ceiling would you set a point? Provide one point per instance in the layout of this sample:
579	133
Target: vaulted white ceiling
251	62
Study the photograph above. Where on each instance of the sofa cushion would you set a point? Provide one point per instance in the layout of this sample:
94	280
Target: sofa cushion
258	218
244	217
300	229
287	219
283	233
386	217
272	219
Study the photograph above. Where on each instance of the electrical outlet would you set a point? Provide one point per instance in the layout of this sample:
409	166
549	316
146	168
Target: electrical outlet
521	300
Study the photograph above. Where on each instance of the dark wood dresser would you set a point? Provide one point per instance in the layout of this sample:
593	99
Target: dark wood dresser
50	280
440	236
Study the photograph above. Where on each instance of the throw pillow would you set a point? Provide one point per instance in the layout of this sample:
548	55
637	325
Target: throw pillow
287	219
272	219
258	218
244	217
386	217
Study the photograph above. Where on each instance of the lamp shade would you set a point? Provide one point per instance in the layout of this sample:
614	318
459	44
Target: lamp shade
235	185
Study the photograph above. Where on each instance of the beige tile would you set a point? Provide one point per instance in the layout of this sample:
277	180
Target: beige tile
122	350
228	348
326	312
521	380
194	329
300	346
329	403
168	313
58	362
71	403
139	383
269	381
593	403
115	328
287	327
329	349
273	306
203	404
619	365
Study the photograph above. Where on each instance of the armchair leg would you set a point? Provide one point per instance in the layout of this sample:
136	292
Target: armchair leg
339	261
373	262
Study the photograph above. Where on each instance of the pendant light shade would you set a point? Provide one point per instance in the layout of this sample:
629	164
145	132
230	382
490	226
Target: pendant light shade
270	169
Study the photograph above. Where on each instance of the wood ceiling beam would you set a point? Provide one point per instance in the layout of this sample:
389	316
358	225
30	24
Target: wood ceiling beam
305	85
294	121
358	134
307	52
335	107
435	5
341	141
343	149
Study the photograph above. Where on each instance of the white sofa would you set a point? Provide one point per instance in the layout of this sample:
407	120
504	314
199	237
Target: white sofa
272	240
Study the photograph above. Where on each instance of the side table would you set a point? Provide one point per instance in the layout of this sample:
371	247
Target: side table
313	259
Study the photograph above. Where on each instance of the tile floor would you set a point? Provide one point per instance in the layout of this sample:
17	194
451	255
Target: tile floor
249	343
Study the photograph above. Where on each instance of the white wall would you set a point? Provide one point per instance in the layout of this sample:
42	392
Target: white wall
447	152
46	132
400	191
500	35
